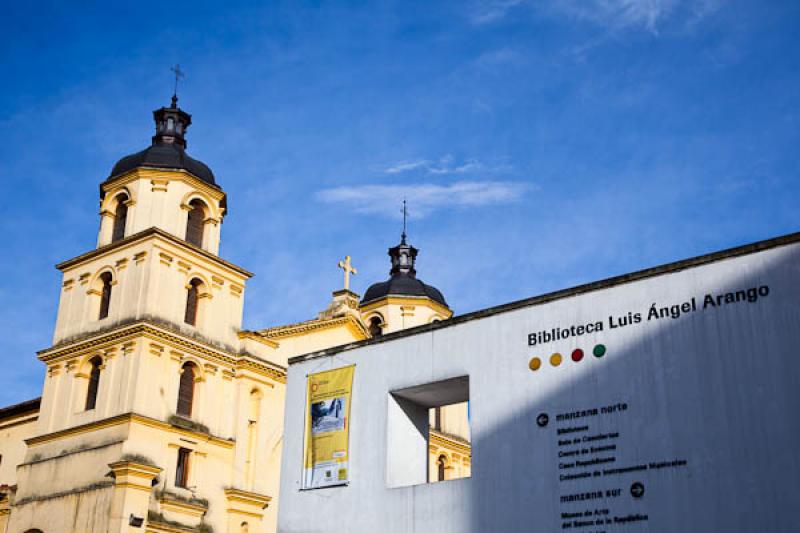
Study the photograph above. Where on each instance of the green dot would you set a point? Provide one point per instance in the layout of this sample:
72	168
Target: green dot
599	350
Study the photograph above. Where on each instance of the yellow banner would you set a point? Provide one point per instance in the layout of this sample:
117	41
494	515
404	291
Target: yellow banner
327	428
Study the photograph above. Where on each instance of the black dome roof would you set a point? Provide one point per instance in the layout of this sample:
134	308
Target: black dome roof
403	285
403	280
169	147
164	155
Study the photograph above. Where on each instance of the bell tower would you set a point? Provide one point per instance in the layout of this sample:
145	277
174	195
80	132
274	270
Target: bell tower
148	371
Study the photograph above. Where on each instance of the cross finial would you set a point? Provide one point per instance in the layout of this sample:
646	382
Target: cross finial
348	269
405	217
178	74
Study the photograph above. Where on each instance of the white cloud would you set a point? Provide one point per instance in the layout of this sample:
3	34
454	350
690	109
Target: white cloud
443	166
423	198
488	11
614	14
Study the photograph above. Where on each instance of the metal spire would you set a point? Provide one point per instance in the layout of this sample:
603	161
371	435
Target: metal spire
405	216
178	74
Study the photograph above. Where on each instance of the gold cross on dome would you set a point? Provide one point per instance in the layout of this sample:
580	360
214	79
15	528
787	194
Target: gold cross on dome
348	269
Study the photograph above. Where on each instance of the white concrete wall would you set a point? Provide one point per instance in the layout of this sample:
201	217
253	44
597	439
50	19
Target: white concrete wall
716	388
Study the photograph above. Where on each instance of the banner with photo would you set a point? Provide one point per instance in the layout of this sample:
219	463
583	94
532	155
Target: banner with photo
326	454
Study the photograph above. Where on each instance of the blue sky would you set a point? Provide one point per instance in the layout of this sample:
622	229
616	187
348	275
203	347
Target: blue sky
540	144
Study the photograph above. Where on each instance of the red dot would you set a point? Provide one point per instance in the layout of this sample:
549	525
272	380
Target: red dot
577	355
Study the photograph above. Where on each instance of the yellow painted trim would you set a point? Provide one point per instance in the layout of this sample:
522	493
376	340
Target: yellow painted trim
407	300
21	422
127	418
258	338
133	486
443	441
260	516
313	326
247	497
160	174
177	506
173	339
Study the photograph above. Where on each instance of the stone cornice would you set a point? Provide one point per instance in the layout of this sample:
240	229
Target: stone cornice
444	440
145	172
127	418
141	236
247	334
303	328
157	332
443	310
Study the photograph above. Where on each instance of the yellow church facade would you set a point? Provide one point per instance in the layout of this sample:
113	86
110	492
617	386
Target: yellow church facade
158	412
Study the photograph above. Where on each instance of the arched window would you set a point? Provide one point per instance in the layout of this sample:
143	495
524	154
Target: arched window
375	326
192	295
120	218
441	465
94	383
194	223
244	528
182	468
105	294
186	390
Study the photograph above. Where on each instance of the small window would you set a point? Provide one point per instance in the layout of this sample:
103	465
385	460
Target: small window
182	468
120	218
194	223
186	390
105	295
375	326
192	294
427	424
94	383
441	465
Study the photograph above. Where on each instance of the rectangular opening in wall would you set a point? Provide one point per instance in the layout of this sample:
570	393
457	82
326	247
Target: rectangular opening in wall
429	437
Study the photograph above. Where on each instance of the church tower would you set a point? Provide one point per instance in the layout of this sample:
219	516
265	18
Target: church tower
152	412
403	301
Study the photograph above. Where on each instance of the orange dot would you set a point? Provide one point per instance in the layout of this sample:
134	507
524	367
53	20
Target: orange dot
535	364
555	359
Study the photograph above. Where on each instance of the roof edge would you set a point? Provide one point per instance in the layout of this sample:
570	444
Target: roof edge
153	230
28	406
638	275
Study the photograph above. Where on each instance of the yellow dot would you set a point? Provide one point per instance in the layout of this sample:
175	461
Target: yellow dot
535	364
555	359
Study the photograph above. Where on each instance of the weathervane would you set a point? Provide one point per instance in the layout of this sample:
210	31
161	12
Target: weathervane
178	74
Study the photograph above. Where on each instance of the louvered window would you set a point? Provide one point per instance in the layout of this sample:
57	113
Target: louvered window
186	391
94	384
182	469
194	224
190	317
120	218
105	295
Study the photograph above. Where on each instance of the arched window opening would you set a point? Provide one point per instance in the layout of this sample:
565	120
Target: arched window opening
194	223
186	390
441	466
192	296
182	468
375	326
244	528
94	383
105	295
120	218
